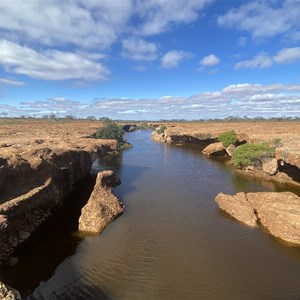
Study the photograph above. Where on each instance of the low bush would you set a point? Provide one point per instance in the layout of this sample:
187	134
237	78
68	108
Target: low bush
250	153
110	130
143	126
161	129
228	138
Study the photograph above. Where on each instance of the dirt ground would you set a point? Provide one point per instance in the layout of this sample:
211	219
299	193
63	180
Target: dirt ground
287	132
19	132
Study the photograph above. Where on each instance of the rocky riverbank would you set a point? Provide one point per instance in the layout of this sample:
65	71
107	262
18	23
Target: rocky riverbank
283	136
40	163
103	206
278	213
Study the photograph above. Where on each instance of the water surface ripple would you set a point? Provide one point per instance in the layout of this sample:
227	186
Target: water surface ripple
173	242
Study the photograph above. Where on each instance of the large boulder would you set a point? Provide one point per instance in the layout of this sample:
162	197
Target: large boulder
279	213
270	166
158	137
8	293
214	149
238	207
102	207
230	149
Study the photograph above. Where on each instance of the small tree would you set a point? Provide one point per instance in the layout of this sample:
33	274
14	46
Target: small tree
161	129
110	130
228	138
250	153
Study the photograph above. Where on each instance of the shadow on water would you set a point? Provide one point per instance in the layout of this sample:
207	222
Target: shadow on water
172	242
36	262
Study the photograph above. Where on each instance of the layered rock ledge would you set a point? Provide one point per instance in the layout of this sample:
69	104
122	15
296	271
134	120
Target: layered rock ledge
278	213
102	207
39	163
285	168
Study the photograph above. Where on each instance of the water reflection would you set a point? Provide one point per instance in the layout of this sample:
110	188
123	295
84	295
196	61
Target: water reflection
173	242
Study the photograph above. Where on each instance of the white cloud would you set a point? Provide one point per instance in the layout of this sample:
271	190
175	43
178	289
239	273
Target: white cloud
91	24
260	61
172	58
264	18
13	82
139	49
288	55
88	24
158	15
209	61
243	99
49	64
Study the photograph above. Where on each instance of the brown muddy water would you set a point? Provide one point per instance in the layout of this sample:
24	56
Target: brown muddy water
172	242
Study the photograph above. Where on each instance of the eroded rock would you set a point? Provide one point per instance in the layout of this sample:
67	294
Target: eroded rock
270	166
238	207
279	213
37	172
214	149
102	207
230	149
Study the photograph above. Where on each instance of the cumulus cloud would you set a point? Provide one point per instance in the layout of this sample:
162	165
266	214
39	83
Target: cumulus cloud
288	55
260	61
13	82
139	49
158	15
49	64
264	18
89	24
209	61
172	58
252	100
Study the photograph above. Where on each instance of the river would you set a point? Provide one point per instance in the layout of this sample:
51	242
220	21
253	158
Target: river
172	242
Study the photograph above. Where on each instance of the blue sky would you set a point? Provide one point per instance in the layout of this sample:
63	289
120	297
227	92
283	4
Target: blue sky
154	59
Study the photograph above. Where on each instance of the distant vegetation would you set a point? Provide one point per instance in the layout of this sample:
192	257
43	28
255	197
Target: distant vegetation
143	126
228	138
112	131
56	116
251	154
161	129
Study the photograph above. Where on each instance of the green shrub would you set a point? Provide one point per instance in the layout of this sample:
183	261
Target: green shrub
228	138
143	126
250	153
110	130
161	129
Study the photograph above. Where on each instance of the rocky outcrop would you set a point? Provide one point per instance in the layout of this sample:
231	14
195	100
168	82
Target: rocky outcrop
230	149
270	166
158	137
238	207
102	207
288	156
130	127
283	168
36	175
8	293
278	213
214	149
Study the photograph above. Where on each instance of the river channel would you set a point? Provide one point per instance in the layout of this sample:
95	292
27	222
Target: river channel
172	242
